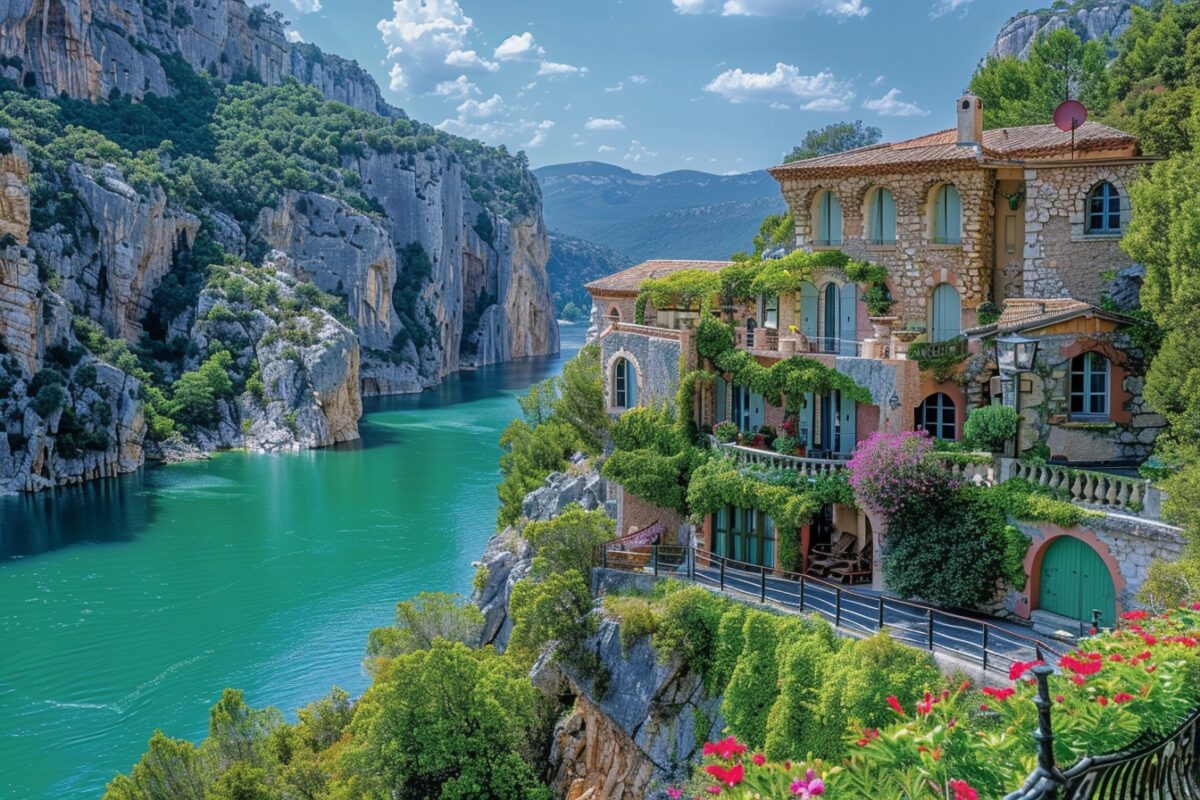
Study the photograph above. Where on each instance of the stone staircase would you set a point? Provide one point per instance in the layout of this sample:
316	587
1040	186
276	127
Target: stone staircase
1058	627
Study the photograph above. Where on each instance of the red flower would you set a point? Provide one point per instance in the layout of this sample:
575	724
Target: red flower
868	735
1060	699
963	790
925	705
1102	700
1138	614
962	687
1019	668
1195	606
1078	680
1089	667
999	694
1091	631
895	704
730	777
1116	658
759	759
725	749
1122	697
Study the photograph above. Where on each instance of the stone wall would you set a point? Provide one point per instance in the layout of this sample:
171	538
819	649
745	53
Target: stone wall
916	265
1061	258
656	361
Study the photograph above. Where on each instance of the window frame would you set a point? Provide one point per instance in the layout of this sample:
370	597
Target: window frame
621	383
1083	369
824	220
770	311
1108	195
940	405
940	219
875	214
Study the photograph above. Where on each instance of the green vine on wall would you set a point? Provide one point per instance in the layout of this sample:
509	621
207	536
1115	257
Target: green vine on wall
639	310
941	366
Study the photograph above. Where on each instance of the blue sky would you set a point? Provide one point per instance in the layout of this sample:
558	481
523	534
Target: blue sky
659	85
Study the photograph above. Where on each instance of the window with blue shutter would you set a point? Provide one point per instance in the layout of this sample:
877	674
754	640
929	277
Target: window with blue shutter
882	214
808	311
946	314
829	220
938	417
1104	209
947	216
1089	386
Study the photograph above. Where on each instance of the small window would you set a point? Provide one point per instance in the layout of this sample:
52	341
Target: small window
881	213
1104	209
770	311
624	384
829	220
938	417
946	227
1089	386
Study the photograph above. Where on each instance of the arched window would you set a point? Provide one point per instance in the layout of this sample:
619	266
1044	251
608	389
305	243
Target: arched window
828	220
946	224
1089	386
945	314
881	217
625	386
1104	209
938	417
614	314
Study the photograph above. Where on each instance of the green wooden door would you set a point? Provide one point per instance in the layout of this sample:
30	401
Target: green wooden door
1075	580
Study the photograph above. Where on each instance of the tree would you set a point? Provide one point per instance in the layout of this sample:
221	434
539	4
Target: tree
1060	67
449	722
170	769
581	398
239	733
566	542
837	137
423	620
530	455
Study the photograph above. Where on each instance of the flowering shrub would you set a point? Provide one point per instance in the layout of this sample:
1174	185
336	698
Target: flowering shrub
1141	680
890	470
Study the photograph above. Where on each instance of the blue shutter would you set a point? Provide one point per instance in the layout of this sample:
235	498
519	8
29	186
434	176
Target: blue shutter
849	418
807	419
722	412
848	323
948	216
631	384
947	313
888	216
835	220
757	411
808	311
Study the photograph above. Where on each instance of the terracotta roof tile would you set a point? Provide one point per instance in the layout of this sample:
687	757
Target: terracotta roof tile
1022	314
941	149
630	281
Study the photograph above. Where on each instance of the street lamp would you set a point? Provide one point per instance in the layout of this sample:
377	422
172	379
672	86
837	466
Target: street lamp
1015	355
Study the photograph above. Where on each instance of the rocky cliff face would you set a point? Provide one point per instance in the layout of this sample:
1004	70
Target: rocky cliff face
86	49
1091	20
432	271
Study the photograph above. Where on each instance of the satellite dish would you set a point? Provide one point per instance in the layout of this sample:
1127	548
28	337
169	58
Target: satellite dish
1070	116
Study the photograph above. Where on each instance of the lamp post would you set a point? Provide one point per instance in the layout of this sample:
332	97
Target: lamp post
1015	355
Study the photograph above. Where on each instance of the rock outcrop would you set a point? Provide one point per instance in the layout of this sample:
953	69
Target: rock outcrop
87	49
1089	20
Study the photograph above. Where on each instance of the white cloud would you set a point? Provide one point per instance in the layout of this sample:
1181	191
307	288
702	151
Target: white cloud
460	88
293	36
780	106
529	87
890	105
602	124
553	69
638	79
775	8
879	79
943	7
517	48
820	92
639	153
620	86
475	109
604	148
307	6
428	42
515	133
540	134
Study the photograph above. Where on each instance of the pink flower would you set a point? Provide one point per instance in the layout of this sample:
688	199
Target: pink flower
808	786
674	793
1122	697
713	789
730	777
1135	615
925	705
759	759
999	694
963	790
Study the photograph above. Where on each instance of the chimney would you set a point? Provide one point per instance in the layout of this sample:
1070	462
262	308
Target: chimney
970	121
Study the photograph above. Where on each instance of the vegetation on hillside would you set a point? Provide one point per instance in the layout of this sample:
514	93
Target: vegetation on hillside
837	137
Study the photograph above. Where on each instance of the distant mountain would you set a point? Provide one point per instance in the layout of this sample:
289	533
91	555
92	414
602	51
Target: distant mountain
575	262
1090	19
683	214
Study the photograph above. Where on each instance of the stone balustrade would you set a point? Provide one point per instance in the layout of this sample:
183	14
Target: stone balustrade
1112	492
810	467
979	470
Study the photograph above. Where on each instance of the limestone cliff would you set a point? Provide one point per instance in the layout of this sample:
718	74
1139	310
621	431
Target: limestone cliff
86	49
1090	19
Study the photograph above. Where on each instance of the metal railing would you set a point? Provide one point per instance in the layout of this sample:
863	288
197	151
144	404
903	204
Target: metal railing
1114	492
951	347
993	647
773	460
1164	770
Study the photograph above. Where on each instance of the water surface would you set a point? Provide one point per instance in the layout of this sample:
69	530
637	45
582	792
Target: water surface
128	605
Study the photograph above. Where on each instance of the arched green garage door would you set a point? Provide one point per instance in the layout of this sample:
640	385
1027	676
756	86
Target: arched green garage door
1075	580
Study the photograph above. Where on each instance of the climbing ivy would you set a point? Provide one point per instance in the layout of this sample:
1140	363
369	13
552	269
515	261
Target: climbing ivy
785	382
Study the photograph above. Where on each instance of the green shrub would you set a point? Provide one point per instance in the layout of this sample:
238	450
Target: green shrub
639	617
689	628
731	639
990	427
549	611
793	727
726	431
752	686
423	619
50	398
567	542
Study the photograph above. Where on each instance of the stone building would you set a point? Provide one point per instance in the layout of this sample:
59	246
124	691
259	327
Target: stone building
982	234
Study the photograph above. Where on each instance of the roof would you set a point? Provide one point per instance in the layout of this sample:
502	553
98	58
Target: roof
629	282
1026	313
941	149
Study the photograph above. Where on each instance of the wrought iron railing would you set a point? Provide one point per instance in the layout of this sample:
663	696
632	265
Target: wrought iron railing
993	647
1163	770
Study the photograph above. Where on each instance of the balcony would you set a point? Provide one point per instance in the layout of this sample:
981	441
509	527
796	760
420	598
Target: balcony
615	325
1105	491
809	467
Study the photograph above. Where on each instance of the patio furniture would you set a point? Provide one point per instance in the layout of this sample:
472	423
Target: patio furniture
823	556
854	570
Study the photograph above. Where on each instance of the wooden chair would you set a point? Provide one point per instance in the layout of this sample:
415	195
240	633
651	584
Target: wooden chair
854	570
823	556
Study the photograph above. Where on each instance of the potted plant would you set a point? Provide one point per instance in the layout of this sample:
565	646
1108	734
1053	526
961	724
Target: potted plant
788	344
883	327
787	445
726	432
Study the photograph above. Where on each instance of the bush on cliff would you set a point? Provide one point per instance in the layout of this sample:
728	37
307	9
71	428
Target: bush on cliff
420	622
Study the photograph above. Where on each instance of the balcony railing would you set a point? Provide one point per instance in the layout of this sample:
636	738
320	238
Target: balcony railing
978	469
810	467
767	341
925	350
1111	492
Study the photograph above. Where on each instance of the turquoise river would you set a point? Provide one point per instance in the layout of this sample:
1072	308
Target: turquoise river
128	605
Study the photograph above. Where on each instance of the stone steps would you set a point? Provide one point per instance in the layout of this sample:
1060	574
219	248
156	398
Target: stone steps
1056	626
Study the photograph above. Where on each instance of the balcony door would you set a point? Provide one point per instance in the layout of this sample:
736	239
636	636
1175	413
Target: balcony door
748	409
838	422
830	320
848	328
